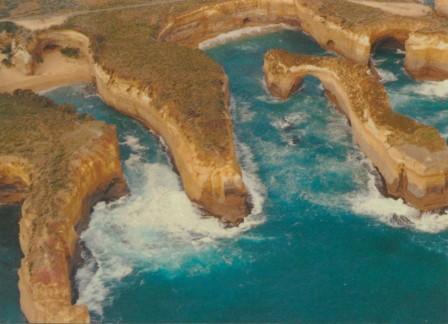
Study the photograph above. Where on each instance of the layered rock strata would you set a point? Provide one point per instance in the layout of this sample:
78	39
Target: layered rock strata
350	28
353	30
411	157
58	169
191	28
211	179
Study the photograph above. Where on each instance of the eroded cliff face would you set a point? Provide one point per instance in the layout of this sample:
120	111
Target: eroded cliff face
442	7
213	181
350	28
427	56
355	37
58	169
48	241
193	27
412	158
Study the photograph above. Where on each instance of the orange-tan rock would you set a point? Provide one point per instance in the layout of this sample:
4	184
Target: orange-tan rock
442	7
353	30
193	27
412	158
214	181
127	58
58	169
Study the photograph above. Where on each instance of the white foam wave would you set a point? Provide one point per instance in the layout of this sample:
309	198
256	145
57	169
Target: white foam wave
438	89
133	143
267	97
290	120
155	228
386	76
242	33
394	212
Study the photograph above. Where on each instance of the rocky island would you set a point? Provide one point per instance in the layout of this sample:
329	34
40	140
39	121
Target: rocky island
145	63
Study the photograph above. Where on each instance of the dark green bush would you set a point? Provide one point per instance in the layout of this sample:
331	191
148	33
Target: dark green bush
70	52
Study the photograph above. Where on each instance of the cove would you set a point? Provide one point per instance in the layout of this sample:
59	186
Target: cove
328	246
322	244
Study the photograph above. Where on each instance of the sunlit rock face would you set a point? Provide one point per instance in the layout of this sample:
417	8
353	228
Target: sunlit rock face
427	56
442	7
412	158
193	27
214	182
422	37
58	169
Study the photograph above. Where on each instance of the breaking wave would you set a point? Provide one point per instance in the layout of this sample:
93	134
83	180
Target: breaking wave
155	228
242	33
369	201
386	76
438	89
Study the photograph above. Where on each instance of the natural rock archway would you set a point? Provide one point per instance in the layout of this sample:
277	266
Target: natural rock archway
412	158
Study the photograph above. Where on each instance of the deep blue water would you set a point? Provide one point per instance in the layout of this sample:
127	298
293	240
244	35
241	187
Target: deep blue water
322	244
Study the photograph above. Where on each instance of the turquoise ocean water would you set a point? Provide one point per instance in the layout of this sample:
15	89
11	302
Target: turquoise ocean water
321	245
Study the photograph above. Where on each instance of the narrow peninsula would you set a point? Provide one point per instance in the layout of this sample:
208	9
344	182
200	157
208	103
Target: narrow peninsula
145	63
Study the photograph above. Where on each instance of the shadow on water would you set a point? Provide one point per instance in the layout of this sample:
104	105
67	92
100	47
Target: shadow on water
10	256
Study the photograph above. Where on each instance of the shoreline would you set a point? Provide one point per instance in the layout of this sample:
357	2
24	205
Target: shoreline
201	181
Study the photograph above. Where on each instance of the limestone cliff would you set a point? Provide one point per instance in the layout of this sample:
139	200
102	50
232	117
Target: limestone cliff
353	30
412	158
213	181
193	27
58	170
442	7
211	177
350	28
427	56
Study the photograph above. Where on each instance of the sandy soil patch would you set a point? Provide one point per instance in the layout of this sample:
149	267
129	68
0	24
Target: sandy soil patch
398	8
41	23
56	70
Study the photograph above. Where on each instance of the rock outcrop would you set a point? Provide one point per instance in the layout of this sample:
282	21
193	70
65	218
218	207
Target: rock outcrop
191	28
58	169
442	7
146	66
412	158
213	181
353	30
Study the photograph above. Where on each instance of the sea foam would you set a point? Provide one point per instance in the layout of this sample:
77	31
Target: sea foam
155	228
393	212
242	33
438	89
386	76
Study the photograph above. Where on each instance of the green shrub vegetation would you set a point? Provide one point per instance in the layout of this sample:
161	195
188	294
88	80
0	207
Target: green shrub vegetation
49	142
8	27
70	52
184	81
369	98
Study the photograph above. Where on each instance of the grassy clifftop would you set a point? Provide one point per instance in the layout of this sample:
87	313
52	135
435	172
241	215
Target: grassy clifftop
53	134
185	82
368	98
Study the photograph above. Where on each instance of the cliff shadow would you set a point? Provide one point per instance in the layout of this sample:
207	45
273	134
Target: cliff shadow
10	257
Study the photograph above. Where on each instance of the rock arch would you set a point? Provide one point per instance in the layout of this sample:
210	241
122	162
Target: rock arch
399	147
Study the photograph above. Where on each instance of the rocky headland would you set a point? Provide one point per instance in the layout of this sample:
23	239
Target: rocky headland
57	169
145	63
412	158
